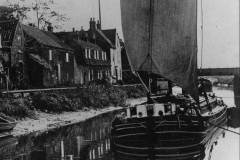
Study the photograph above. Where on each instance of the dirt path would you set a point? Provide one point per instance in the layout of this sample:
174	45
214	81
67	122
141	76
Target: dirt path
47	121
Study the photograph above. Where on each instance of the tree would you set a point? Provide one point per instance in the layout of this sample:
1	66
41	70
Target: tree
45	15
43	9
19	9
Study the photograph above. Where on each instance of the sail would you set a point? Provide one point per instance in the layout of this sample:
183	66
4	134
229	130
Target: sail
161	37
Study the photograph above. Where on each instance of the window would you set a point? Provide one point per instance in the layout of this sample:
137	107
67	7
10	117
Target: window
97	54
89	53
50	55
100	55
67	57
92	54
105	56
0	40
86	53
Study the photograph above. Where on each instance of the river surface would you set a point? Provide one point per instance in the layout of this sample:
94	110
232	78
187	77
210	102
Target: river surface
90	140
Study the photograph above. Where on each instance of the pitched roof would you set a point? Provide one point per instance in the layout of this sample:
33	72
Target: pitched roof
59	41
85	44
105	38
40	36
111	34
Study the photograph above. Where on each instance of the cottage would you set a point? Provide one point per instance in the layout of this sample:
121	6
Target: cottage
47	56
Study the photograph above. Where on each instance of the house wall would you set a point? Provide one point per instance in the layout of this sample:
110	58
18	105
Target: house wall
62	72
116	62
78	73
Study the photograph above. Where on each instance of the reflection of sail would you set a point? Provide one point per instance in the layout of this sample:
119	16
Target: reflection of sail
161	37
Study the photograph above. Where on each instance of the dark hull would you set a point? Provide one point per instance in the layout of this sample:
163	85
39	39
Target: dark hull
170	137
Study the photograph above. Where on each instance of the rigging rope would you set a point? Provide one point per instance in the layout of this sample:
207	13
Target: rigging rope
224	128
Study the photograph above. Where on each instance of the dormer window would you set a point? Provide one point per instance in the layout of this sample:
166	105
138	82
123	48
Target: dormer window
67	57
50	55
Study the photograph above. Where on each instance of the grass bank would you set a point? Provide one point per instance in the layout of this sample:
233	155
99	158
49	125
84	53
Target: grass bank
97	95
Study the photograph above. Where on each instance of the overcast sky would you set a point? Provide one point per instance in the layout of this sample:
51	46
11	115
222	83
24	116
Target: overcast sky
221	25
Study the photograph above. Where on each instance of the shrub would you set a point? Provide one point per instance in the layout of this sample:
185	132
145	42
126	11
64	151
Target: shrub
53	102
18	108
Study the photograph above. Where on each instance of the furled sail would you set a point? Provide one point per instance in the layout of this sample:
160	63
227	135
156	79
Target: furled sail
161	37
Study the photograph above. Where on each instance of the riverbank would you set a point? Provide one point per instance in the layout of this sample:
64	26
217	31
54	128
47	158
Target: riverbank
49	121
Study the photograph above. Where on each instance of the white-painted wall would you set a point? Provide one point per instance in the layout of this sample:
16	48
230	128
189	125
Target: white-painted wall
116	61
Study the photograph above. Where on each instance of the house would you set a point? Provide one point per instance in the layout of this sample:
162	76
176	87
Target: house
97	36
47	56
92	53
115	54
11	54
91	61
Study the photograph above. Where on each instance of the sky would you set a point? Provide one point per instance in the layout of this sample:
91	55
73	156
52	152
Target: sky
220	26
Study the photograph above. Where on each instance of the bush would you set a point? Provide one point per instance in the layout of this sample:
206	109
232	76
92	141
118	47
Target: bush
135	91
18	108
97	94
53	102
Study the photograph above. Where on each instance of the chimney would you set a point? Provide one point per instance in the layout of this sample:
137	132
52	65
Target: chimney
99	25
50	27
92	24
73	29
82	34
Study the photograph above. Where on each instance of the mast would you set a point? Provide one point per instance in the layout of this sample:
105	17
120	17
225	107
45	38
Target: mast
150	42
99	9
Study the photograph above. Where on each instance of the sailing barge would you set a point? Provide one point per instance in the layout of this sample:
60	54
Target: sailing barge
161	39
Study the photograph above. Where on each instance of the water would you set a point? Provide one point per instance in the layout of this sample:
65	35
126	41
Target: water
91	140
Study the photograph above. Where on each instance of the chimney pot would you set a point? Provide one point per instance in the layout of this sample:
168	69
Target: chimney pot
50	27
